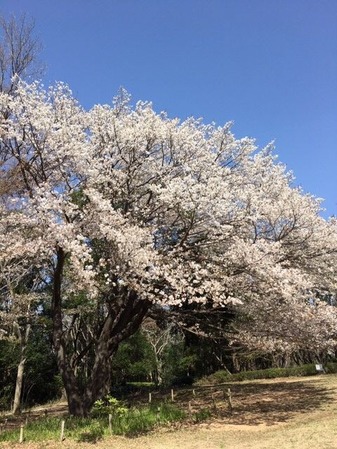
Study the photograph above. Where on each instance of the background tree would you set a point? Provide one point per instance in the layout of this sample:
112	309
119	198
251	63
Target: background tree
19	51
161	337
19	293
8	369
134	361
41	382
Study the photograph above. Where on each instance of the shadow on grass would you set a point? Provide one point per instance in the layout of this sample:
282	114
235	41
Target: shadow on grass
253	403
263	403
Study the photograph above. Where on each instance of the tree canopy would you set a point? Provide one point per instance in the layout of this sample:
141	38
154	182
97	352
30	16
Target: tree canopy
119	208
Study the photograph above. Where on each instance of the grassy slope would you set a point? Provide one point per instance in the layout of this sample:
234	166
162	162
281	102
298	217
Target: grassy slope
297	413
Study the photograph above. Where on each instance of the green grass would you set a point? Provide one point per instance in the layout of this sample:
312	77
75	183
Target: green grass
134	421
44	429
140	420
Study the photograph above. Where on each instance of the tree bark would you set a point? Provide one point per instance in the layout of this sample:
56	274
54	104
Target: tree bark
23	338
117	327
123	319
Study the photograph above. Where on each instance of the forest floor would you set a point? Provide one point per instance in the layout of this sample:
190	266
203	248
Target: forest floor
296	413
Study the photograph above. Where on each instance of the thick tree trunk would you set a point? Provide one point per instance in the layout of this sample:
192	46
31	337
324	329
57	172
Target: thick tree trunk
117	327
76	404
122	320
158	369
23	338
18	386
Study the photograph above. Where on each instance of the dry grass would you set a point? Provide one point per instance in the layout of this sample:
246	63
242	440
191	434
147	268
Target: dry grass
293	413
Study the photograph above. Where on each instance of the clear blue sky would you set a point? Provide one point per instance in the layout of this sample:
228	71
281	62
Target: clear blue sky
269	65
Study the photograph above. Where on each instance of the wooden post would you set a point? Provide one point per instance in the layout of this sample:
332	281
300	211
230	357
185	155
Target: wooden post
150	398
62	430
3	425
229	399
214	403
190	408
110	423
21	434
172	395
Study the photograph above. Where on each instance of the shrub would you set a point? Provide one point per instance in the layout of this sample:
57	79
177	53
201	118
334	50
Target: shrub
109	406
330	367
270	373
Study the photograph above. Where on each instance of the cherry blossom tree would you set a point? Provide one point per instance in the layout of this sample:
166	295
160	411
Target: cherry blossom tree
129	208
